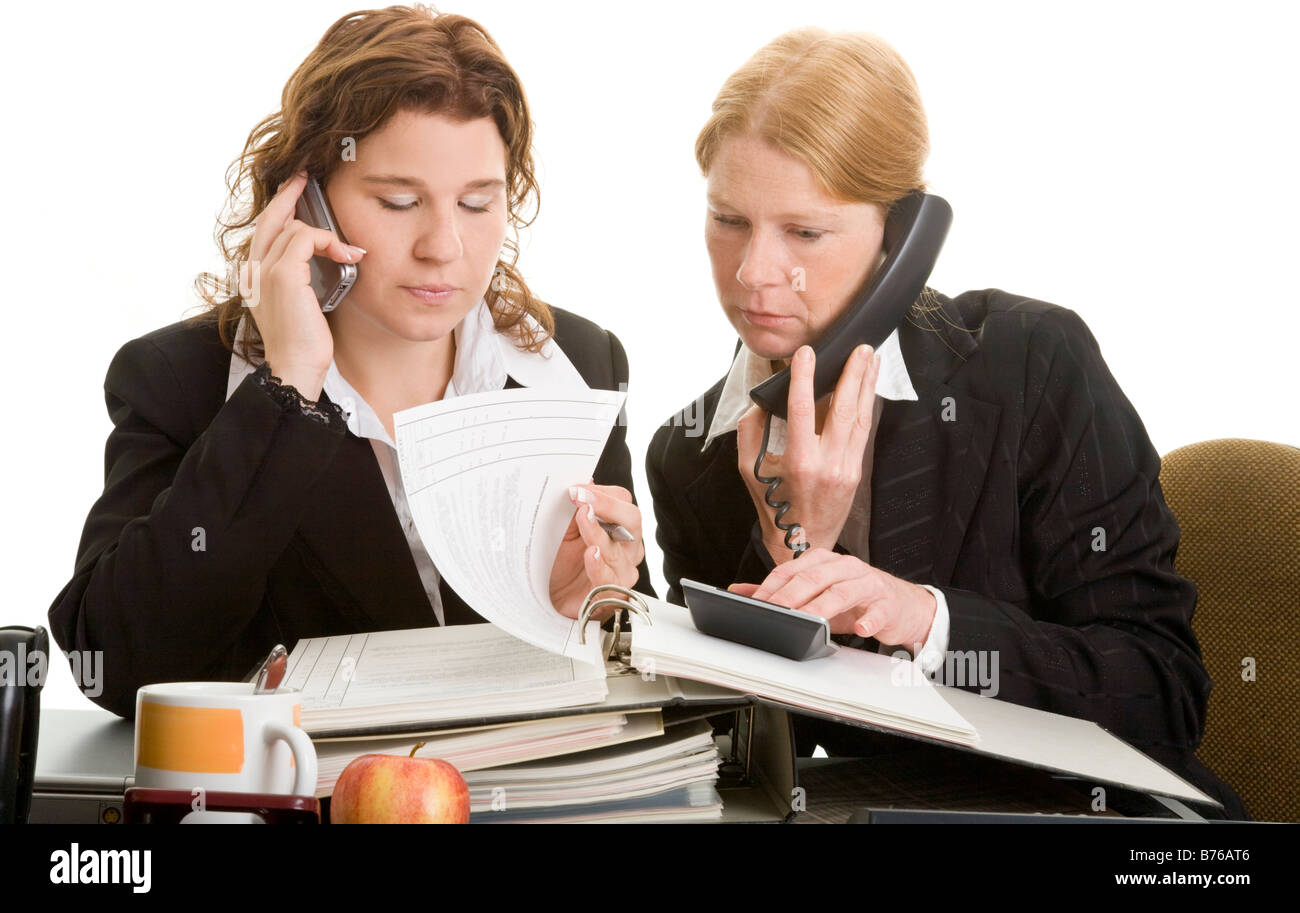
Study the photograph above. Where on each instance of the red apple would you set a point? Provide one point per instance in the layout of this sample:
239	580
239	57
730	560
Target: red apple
390	789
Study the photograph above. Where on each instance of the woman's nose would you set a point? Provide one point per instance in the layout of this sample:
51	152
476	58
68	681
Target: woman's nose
763	263
439	239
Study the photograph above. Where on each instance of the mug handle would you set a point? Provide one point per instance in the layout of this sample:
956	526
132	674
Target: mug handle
304	754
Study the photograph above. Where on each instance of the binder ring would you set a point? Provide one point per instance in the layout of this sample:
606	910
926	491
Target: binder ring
631	602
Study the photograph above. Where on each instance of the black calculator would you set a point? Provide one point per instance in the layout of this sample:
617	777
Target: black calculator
758	624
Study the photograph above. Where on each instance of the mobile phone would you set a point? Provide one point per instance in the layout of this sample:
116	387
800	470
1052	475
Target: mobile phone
330	280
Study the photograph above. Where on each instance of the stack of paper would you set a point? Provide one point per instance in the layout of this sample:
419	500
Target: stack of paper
393	679
490	746
669	777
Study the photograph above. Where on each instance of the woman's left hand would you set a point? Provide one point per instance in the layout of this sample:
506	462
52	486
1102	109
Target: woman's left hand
856	597
588	557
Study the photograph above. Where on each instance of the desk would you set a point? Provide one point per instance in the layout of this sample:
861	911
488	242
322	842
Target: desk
85	762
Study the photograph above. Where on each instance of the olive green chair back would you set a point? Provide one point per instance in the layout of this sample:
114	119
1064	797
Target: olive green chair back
1237	503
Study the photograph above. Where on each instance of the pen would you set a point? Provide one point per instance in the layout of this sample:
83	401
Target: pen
616	532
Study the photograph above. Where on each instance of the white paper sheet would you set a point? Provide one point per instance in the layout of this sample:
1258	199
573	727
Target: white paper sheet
857	684
487	477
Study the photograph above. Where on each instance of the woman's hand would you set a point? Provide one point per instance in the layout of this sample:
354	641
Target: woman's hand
819	472
856	597
281	303
588	557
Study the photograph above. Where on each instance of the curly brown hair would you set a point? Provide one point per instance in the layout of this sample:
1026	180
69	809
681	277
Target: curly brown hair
370	65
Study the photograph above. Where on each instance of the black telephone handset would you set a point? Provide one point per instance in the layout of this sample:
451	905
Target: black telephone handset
914	234
20	716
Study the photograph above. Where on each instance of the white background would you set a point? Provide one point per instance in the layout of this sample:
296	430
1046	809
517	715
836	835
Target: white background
1134	162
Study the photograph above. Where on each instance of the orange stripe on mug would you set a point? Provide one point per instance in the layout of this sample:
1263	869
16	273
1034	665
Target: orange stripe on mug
297	721
192	739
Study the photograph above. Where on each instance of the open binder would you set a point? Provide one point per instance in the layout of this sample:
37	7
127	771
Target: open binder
1013	733
760	775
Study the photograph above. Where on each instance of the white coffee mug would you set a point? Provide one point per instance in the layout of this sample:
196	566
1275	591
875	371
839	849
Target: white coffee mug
220	736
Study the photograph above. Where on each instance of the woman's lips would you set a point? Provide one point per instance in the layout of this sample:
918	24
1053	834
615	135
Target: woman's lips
432	294
759	319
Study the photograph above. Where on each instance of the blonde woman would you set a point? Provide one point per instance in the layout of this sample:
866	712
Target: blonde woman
978	487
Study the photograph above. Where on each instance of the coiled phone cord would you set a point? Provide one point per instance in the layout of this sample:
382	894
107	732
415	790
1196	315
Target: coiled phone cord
772	483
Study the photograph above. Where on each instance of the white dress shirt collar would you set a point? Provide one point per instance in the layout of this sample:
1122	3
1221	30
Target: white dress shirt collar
748	370
485	357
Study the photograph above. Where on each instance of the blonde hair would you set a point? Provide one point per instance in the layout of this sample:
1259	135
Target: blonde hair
845	104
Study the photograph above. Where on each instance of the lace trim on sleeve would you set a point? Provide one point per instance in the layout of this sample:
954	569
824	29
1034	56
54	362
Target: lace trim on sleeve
328	414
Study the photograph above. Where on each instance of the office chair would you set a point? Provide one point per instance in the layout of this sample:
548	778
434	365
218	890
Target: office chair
20	713
1237	503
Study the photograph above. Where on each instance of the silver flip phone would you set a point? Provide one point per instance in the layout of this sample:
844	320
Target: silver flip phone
329	280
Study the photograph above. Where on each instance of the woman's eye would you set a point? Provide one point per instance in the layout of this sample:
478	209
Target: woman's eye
403	205
807	234
724	220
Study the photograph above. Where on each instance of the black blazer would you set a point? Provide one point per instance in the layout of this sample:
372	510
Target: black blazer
299	531
992	487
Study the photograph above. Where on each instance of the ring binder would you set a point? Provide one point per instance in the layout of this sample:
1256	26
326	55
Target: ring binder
631	602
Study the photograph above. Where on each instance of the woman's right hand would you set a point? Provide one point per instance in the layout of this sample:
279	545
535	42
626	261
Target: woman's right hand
820	471
295	334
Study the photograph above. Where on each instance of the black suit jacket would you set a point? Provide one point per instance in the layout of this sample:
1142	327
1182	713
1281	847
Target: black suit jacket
299	531
1023	485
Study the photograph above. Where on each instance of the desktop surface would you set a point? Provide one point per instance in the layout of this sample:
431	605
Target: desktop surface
85	762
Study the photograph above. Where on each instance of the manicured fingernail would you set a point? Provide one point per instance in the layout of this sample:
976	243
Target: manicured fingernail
591	512
580	494
356	251
597	555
